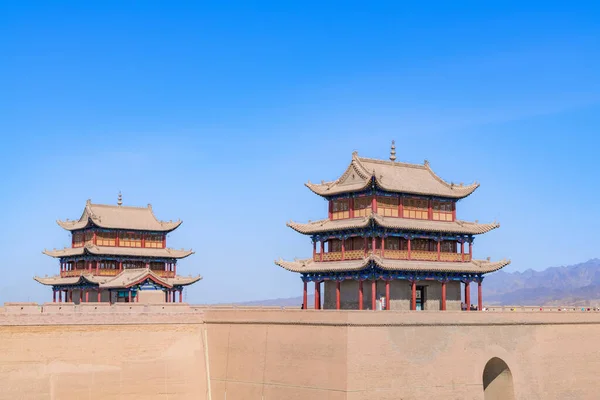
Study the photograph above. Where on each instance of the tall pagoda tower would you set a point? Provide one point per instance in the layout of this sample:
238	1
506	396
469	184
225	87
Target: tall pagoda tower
392	240
118	254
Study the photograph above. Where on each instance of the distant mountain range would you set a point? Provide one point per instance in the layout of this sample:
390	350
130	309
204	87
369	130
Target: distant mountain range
574	285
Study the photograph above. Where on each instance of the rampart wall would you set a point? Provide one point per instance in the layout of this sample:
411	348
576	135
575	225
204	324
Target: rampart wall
173	351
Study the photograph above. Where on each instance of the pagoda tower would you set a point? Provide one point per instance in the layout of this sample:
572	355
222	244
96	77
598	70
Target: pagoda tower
392	241
118	254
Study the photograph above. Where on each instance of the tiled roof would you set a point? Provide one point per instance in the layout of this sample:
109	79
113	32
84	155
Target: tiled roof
118	251
119	217
393	177
310	266
458	227
125	279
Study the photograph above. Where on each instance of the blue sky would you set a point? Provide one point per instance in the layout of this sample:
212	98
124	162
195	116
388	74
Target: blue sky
218	115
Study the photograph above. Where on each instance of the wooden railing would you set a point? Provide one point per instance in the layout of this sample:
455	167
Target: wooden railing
165	274
110	272
394	255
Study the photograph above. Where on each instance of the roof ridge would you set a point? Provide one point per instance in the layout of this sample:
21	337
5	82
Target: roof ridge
120	207
392	163
449	185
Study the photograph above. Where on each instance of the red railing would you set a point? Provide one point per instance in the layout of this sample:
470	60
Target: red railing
109	272
416	255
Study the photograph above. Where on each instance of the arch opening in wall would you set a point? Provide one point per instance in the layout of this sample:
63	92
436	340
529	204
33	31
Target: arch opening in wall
497	381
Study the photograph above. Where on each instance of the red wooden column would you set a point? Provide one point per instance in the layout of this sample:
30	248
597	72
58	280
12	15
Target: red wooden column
400	207
413	299
181	295
409	248
383	246
71	296
99	296
97	266
143	240
317	295
479	296
174	268
453	211
90	266
360	295
373	295
387	295
322	249
467	295
60	296
330	212
351	207
117	239
374	205
305	296
337	295
439	247
87	296
314	250
343	249
429	209
129	296
373	244
164	241
94	238
462	251
53	296
443	295
365	246
120	265
470	251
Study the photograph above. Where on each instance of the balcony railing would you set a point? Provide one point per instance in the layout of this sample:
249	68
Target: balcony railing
416	255
110	272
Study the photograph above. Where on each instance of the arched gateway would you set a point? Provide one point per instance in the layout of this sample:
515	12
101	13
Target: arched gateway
392	241
497	381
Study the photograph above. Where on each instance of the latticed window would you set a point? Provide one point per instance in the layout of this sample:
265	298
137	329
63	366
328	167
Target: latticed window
355	243
341	209
78	239
442	210
106	238
157	266
362	206
130	239
419	245
133	264
448	246
335	245
89	237
108	265
154	241
392	243
387	206
416	208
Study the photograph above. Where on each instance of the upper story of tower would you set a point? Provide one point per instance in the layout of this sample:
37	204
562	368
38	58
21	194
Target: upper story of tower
118	226
391	189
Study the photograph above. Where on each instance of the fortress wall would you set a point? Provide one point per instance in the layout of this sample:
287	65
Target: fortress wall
158	352
95	354
357	355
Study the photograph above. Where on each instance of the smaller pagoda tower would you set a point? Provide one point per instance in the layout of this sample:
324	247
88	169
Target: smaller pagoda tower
118	254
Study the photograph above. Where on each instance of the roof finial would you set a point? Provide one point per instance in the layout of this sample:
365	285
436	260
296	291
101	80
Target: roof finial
120	199
393	151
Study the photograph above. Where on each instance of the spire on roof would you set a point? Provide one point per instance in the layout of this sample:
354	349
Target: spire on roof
393	151
120	199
